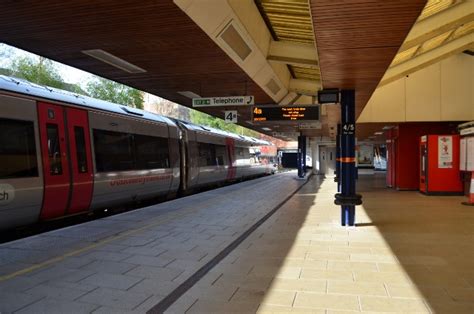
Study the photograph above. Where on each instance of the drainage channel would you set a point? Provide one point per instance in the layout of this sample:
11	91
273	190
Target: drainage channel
164	304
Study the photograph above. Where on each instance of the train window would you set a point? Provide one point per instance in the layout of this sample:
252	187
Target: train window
54	150
220	154
80	149
211	155
113	151
17	149
151	152
207	155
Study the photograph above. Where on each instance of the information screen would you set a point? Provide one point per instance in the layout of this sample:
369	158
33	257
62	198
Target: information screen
285	113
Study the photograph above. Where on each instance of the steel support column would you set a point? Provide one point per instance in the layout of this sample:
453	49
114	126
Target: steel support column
303	153
301	156
337	178
348	199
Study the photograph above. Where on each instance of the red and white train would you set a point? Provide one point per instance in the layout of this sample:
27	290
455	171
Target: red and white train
63	154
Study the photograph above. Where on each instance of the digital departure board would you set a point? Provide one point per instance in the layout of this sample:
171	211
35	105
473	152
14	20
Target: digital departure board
285	113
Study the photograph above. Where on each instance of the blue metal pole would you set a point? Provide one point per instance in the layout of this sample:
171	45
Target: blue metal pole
338	158
303	153
299	157
348	180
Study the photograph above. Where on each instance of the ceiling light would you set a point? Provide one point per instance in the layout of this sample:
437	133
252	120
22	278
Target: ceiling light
387	127
189	94
378	133
266	129
115	61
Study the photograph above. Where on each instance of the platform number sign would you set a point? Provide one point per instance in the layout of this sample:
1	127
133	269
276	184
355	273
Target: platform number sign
348	128
230	116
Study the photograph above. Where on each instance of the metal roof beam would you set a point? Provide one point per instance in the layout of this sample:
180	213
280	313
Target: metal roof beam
293	53
439	23
426	59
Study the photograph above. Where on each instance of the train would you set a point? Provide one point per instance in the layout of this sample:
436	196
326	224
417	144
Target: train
64	154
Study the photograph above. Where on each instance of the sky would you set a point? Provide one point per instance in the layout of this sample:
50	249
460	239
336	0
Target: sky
69	74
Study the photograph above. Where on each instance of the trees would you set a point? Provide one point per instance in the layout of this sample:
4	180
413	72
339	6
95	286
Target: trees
202	118
115	92
42	72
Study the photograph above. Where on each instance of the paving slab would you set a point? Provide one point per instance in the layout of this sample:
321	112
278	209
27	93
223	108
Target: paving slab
131	261
408	253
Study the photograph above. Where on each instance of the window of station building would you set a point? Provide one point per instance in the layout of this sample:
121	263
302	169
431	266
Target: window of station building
17	149
113	151
151	152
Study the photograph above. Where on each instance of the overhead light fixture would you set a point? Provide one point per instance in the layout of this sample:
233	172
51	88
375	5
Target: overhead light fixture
114	61
378	133
189	94
266	129
387	127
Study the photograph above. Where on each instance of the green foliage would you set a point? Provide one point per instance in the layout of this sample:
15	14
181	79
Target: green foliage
201	118
115	92
42	72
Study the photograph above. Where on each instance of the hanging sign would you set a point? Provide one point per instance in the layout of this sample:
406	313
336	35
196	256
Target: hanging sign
445	152
223	101
285	113
348	128
230	116
309	126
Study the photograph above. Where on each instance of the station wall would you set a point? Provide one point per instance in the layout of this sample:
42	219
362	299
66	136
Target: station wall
443	91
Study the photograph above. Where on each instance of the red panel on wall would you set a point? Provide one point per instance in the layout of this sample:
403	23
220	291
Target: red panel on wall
439	178
406	159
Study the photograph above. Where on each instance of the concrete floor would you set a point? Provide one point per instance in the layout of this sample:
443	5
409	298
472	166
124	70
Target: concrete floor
409	253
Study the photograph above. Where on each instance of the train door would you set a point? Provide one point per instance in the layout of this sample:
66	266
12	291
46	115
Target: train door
80	160
231	172
327	160
330	161
66	168
322	160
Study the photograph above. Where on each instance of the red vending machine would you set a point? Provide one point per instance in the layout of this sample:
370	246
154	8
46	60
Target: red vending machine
439	165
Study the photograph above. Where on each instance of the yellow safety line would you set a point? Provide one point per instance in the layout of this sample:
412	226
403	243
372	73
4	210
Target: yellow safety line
102	242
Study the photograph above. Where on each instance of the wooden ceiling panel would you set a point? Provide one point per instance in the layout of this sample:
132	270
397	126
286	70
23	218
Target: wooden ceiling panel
154	35
357	40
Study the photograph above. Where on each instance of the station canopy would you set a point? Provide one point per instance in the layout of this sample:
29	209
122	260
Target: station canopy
279	51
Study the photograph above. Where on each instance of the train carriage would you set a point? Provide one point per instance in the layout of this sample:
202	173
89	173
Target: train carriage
63	154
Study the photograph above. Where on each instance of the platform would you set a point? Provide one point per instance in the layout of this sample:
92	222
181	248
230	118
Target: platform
133	260
409	253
